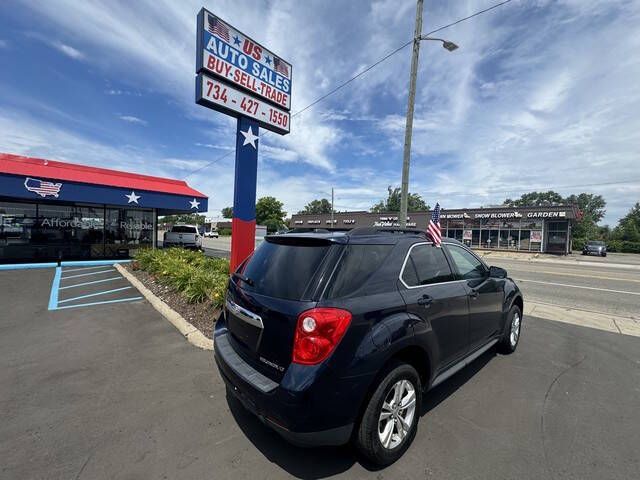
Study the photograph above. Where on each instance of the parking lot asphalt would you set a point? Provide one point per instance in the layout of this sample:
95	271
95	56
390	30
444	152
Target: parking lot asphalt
115	392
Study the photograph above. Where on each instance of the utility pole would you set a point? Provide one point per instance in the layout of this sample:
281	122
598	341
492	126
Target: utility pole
331	207
406	158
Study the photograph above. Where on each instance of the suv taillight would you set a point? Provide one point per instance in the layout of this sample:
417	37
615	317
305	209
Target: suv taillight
318	331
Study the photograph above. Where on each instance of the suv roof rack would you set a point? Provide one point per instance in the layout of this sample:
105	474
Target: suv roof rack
389	230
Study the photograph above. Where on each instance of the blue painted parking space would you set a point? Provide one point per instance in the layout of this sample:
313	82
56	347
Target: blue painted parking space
89	285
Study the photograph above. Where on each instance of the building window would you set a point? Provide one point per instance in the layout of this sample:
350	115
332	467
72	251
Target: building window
127	230
557	233
17	225
70	231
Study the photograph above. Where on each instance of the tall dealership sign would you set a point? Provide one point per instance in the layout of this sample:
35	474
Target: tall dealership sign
239	77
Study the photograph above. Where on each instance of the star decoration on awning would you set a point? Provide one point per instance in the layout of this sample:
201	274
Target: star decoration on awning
194	203
133	198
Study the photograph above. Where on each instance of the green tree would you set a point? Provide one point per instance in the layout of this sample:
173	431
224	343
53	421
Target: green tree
269	213
593	210
535	199
629	226
227	212
317	207
392	203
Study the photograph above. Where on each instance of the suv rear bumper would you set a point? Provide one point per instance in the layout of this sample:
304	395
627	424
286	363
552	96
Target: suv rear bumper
271	403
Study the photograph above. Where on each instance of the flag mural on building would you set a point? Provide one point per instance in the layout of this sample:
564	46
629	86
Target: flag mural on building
434	230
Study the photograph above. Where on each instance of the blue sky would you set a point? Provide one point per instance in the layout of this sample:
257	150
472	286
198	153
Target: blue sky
541	94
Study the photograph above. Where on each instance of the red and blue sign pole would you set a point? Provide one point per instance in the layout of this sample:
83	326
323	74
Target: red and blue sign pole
243	226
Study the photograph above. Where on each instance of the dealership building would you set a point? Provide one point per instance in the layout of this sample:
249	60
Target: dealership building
528	229
52	210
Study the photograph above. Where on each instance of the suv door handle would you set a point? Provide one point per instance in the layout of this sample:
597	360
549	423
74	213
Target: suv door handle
425	300
473	293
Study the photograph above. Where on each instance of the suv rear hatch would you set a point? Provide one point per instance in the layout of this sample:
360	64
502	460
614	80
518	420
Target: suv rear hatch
282	279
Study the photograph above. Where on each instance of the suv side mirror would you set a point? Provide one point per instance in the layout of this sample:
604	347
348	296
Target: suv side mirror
497	272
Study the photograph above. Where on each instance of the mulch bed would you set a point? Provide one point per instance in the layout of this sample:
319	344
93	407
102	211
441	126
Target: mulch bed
200	315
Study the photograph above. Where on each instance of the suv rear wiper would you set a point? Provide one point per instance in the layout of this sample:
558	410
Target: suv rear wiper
242	277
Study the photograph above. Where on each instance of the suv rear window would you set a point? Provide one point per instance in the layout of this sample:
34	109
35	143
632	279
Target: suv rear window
283	270
356	268
183	229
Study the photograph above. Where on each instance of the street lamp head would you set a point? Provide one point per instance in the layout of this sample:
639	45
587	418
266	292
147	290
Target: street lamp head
449	45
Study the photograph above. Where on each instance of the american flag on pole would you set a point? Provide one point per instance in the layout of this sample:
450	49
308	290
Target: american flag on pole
434	230
217	27
281	67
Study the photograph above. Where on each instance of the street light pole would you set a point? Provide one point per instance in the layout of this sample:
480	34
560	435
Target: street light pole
406	157
332	207
404	192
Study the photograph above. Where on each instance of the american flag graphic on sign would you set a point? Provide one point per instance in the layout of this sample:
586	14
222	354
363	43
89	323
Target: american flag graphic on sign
434	230
217	27
281	67
42	188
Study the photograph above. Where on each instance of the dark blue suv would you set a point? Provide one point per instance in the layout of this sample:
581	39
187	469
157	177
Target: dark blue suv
332	337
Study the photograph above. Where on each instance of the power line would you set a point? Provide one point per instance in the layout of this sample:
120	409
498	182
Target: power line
529	189
505	192
355	77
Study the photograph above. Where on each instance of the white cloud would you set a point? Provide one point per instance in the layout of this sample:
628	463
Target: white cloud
132	119
535	93
118	92
68	50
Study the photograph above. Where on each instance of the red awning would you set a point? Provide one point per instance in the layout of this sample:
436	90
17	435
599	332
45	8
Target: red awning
53	170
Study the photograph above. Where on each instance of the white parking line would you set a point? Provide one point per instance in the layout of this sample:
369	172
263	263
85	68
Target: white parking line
85	274
93	295
82	269
91	283
578	286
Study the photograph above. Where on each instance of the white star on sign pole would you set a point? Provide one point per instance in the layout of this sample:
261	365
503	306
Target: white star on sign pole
249	138
133	198
194	203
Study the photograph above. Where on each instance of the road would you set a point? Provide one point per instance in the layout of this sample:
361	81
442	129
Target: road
114	391
588	283
595	288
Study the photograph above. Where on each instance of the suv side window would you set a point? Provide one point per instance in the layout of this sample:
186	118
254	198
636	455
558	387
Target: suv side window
426	264
357	269
468	265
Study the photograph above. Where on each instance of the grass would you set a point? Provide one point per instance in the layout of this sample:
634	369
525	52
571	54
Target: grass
197	277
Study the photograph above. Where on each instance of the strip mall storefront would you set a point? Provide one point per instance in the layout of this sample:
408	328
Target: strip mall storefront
529	229
60	211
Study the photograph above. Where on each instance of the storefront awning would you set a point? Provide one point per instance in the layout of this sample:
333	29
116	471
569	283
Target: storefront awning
39	179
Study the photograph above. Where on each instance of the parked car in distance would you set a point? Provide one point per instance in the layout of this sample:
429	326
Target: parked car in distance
595	247
213	233
187	236
333	337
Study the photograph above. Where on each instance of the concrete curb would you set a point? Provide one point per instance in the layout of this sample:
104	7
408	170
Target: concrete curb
191	333
584	318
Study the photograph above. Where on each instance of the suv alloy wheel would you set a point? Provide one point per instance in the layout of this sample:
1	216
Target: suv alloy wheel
513	330
390	420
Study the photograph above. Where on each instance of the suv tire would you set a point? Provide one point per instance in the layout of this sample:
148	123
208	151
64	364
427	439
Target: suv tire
401	377
512	331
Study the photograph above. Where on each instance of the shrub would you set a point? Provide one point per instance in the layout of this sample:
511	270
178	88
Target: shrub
623	246
578	243
191	273
224	232
617	246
